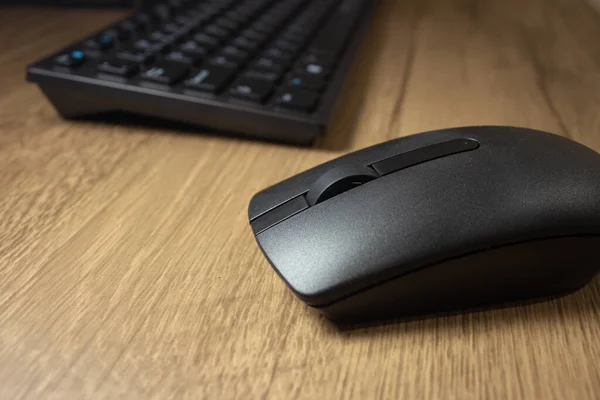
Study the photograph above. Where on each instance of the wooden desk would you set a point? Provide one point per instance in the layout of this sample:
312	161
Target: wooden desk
128	270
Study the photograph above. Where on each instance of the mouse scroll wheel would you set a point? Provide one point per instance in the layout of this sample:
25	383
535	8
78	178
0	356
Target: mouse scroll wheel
337	181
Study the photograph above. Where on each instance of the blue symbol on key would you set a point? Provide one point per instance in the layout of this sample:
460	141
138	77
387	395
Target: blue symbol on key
296	81
105	39
77	55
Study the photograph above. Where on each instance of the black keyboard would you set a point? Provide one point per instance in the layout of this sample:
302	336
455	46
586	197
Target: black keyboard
266	68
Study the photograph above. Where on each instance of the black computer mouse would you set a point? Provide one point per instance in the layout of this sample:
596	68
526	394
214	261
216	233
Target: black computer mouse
442	221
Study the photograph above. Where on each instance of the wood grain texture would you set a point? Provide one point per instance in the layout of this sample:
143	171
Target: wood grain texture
128	270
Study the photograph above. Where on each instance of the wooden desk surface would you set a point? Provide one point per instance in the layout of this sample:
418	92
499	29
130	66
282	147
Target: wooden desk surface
128	270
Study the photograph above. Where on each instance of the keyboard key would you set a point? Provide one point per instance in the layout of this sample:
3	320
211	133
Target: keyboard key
143	20
296	99
270	76
211	79
205	40
225	61
77	57
130	53
302	29
237	16
217	31
196	22
287	46
306	81
227	24
102	42
296	40
175	4
117	33
127	29
276	16
313	69
263	27
292	35
210	10
161	11
244	43
267	64
114	66
175	30
143	44
160	47
254	90
106	41
267	22
165	72
172	28
191	46
183	57
278	54
71	60
234	53
186	19
160	36
245	11
251	34
150	45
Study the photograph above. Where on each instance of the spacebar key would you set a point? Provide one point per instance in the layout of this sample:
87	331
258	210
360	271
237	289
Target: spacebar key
332	37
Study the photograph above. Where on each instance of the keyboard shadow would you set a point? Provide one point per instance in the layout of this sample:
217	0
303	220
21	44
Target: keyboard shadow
164	126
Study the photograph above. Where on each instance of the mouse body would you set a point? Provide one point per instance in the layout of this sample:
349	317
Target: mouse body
442	221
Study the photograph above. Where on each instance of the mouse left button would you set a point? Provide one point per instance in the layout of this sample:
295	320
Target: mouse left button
278	214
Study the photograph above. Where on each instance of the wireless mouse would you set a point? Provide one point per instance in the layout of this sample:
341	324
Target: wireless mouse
442	221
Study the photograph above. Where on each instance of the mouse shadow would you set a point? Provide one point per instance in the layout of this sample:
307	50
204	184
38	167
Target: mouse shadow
579	305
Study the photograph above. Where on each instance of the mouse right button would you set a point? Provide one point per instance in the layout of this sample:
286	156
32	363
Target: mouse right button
424	154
